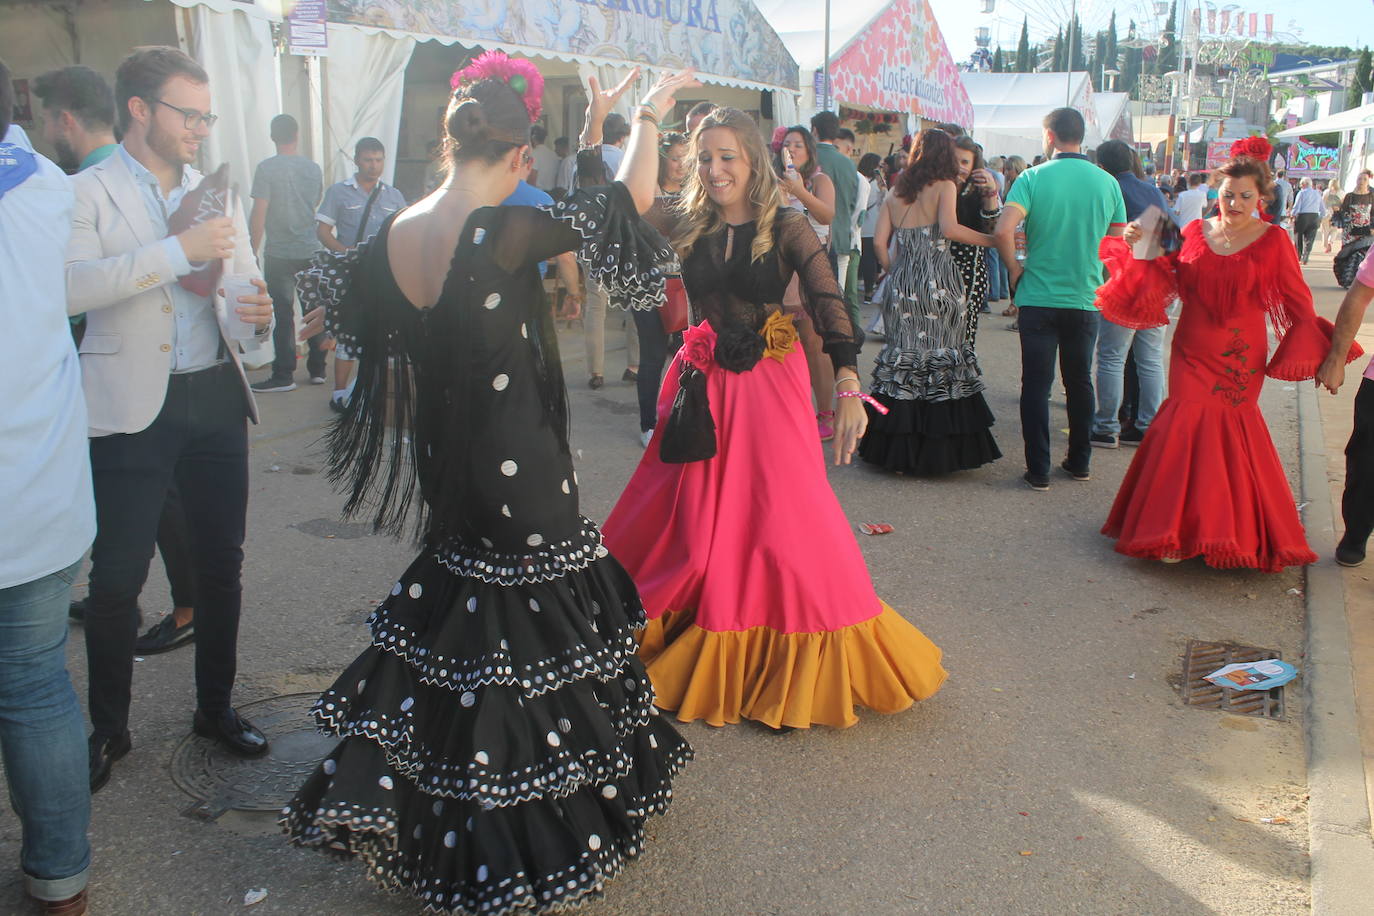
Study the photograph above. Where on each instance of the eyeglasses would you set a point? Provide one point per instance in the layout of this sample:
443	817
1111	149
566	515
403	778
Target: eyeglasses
194	119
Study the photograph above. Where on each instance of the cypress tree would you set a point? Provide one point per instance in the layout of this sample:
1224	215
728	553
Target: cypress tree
1060	53
1108	53
1024	62
1363	81
998	64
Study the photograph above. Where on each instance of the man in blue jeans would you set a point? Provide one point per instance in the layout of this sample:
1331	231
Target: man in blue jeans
1114	341
46	483
1068	205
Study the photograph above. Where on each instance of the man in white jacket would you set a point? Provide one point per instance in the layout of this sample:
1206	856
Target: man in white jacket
165	392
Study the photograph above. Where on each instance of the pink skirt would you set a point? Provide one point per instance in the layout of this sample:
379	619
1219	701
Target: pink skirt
759	600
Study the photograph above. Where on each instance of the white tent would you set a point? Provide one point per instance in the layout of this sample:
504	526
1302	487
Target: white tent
1009	109
1361	118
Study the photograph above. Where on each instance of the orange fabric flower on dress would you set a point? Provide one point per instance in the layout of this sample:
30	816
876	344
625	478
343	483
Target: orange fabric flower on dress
779	336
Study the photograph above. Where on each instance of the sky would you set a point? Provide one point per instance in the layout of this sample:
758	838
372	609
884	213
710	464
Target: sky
1338	22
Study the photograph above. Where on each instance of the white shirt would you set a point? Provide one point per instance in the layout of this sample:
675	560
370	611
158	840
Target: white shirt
45	467
566	166
860	205
612	157
1190	204
546	165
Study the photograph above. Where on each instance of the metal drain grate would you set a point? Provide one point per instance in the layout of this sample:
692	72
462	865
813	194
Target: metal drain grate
1202	658
220	781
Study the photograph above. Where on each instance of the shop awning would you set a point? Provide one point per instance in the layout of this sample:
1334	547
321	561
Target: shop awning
897	60
1361	118
728	42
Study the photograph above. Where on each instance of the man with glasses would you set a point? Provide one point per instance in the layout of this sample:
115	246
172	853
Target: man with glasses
351	213
166	394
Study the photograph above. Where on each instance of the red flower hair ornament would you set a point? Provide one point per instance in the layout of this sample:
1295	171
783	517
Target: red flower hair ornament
1253	148
521	75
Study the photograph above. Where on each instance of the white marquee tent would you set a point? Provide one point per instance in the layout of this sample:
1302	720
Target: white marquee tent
1009	108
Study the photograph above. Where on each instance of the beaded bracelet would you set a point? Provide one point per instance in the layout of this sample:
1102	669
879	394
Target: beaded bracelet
867	399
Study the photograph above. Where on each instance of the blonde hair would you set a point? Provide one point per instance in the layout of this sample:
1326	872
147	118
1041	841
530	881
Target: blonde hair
700	215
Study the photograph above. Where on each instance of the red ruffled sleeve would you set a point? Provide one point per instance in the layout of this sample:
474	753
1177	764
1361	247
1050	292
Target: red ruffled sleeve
1136	292
1304	337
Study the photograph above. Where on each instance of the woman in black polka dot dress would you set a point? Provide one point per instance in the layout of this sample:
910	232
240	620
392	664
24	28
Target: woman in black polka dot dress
500	749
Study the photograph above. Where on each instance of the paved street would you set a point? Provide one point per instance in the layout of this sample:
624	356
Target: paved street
1056	772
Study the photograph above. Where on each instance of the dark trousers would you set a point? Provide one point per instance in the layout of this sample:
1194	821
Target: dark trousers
174	543
280	276
868	266
199	441
1072	334
653	353
1357	502
1305	226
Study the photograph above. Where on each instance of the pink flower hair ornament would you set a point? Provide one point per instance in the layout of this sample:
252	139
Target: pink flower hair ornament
517	73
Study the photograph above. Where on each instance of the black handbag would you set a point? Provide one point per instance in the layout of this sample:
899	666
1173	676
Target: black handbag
689	433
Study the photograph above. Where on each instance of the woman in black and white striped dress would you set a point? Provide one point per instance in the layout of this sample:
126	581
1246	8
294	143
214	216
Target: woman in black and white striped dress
927	375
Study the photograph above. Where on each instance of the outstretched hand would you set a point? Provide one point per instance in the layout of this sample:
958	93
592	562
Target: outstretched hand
660	97
600	101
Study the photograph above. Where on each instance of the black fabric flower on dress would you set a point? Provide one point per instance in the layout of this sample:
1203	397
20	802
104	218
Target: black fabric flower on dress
738	348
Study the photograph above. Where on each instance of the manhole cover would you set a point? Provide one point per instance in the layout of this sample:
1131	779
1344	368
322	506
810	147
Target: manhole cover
1202	658
221	781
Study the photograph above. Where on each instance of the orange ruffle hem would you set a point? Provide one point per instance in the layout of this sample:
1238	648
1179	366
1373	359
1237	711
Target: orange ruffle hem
791	680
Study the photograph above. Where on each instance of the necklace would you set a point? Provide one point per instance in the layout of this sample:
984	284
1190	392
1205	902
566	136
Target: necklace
1225	238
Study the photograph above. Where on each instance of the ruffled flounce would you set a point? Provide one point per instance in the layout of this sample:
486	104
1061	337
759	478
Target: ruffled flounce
789	679
1302	350
1137	292
501	748
1207	482
929	375
541	564
927	438
623	254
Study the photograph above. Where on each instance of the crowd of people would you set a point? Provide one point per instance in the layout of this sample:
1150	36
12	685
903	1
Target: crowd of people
501	742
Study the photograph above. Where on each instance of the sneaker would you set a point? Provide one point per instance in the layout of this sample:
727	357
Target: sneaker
1076	475
274	383
1349	554
1131	436
317	379
824	421
630	376
645	436
1036	482
1103	440
596	382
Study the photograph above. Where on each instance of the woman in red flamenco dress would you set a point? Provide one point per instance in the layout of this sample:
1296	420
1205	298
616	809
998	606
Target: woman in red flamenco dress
759	603
1207	480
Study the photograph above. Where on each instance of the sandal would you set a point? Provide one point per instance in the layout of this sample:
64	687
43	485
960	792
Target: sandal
1009	311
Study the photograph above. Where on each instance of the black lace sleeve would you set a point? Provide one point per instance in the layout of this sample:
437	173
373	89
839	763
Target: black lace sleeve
801	251
622	252
368	447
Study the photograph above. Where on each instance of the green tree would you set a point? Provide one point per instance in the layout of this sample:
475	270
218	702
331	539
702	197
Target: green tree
999	65
1077	60
1167	59
1108	54
1363	80
1024	62
1132	61
1060	59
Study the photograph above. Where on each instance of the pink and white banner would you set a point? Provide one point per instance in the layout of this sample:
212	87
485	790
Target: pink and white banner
900	62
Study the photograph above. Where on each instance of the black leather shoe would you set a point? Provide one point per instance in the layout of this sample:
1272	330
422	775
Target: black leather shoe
77	611
104	752
1349	554
164	636
233	732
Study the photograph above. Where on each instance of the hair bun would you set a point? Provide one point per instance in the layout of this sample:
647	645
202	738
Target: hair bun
467	124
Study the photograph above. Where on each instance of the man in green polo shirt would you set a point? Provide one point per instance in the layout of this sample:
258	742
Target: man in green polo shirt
78	116
1068	205
844	174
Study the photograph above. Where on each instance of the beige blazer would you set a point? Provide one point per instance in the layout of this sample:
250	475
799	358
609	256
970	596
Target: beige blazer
119	274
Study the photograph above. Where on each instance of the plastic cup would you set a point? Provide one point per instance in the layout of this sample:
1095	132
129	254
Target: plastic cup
234	286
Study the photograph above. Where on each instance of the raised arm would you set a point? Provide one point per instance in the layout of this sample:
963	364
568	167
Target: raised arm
639	169
950	226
